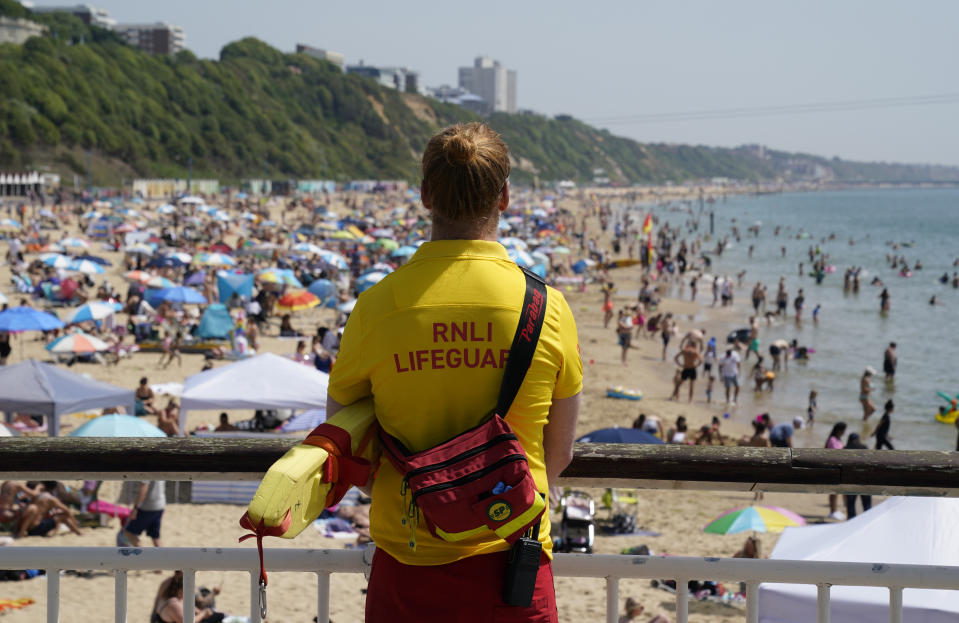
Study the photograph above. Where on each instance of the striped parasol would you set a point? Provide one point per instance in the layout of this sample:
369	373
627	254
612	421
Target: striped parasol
295	300
755	519
95	310
214	259
77	343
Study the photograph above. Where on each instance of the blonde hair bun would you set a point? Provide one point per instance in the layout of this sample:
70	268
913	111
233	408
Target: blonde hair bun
460	149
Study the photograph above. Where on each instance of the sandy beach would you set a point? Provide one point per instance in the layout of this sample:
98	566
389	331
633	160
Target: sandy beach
673	520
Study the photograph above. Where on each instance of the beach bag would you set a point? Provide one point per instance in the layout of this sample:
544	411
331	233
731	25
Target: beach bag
479	480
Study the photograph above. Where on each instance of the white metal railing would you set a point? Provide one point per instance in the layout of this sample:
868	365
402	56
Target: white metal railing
613	568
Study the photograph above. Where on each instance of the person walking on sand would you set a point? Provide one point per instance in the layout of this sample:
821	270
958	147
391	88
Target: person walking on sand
889	361
882	431
688	359
729	368
865	388
624	333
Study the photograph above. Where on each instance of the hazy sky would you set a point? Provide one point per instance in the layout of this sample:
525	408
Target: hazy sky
600	60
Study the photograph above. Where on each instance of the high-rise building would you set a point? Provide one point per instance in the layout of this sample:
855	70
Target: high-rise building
88	14
156	38
324	55
495	84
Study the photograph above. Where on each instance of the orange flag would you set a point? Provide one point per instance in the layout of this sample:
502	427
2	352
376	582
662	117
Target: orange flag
648	224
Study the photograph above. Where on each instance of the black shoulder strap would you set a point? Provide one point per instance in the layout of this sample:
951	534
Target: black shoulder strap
524	341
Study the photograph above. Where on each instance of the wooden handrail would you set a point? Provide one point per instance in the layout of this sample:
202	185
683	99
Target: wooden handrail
892	472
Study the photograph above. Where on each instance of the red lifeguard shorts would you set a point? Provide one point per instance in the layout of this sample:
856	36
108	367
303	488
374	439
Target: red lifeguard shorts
465	591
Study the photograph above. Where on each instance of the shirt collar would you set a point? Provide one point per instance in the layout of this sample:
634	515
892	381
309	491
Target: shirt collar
460	249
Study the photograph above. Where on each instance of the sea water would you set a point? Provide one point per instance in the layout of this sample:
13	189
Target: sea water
851	332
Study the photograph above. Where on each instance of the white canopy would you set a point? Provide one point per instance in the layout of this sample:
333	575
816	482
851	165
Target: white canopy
38	388
265	381
901	530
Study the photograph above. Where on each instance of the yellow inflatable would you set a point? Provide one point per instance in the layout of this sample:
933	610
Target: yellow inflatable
948	418
316	473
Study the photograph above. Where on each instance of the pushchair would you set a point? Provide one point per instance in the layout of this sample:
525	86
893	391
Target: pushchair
577	527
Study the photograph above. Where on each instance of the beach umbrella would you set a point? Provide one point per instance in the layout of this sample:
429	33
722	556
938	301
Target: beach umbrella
9	224
52	247
158	283
334	260
214	259
559	250
308	420
282	276
387	243
368	280
125	228
347	307
322	289
504	226
139	248
619	435
102	261
306	247
195	279
95	310
342	235
522	258
189	200
404	251
91	215
166	208
137	276
3	298
181	294
74	243
77	343
86	267
184	258
56	260
379	267
513	243
539	258
28	319
754	519
117	425
295	300
164	262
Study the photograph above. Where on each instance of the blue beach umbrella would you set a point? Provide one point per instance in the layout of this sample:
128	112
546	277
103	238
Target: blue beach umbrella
28	319
522	258
181	294
404	251
117	425
322	289
368	280
619	435
86	267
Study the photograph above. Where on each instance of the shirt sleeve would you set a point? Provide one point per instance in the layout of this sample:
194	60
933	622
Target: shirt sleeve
350	377
569	379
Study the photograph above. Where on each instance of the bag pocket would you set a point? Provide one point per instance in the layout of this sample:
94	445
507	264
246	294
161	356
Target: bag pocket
500	496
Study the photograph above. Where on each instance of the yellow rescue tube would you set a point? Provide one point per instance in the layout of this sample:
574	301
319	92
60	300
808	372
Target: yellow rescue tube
293	489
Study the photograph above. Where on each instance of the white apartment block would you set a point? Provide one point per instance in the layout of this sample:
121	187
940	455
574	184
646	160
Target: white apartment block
495	84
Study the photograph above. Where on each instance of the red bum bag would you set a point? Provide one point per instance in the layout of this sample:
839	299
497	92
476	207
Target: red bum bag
479	480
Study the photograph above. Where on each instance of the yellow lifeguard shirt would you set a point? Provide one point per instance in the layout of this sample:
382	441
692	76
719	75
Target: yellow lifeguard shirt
429	343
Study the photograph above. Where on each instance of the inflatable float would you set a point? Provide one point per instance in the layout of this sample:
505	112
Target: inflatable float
624	393
949	417
905	273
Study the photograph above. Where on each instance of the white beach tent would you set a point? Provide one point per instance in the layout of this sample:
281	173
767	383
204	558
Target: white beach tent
265	381
922	531
38	388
